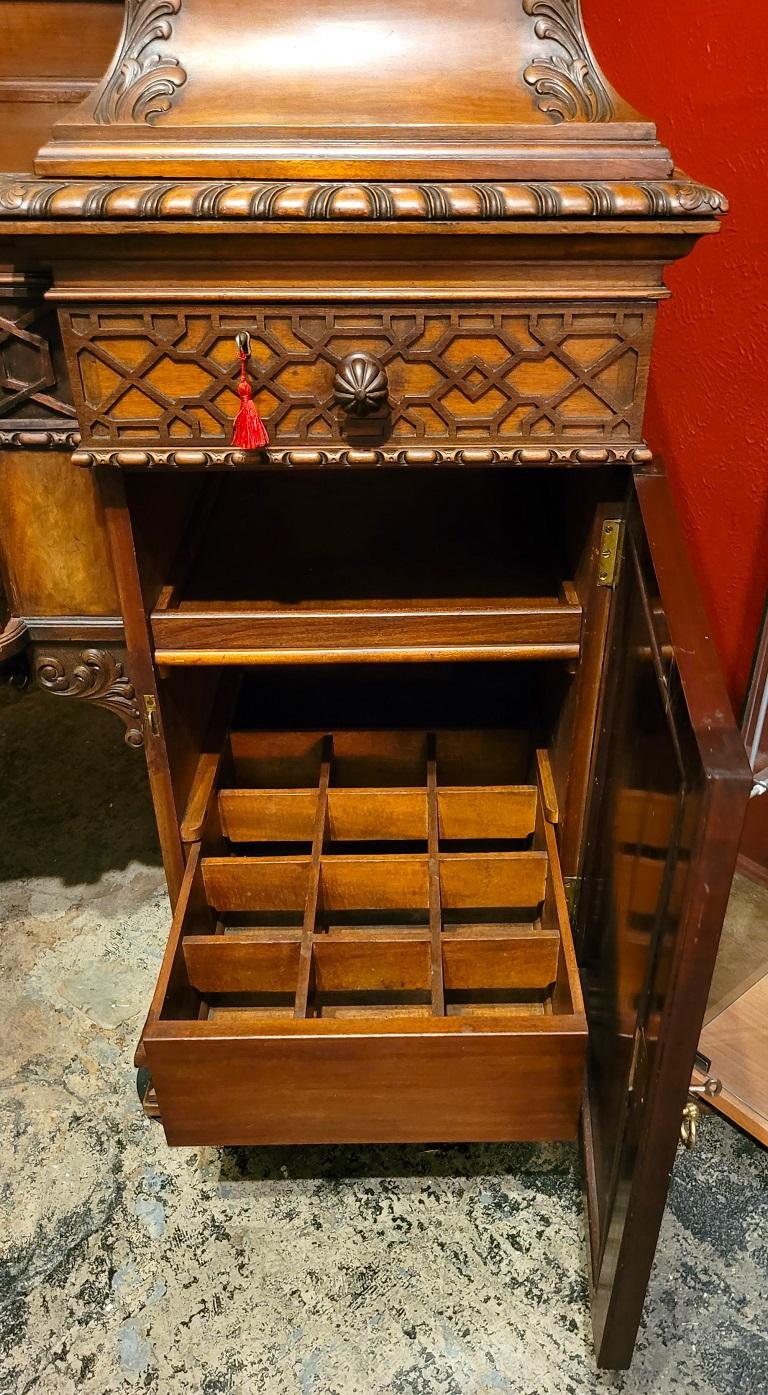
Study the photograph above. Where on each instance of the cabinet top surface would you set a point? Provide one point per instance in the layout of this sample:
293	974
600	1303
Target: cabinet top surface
499	88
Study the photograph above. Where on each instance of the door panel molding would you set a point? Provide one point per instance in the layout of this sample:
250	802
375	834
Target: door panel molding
662	844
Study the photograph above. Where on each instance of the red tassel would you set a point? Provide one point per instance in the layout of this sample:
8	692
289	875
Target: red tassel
249	431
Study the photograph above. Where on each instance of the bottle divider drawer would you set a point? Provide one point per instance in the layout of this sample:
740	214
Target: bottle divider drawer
420	933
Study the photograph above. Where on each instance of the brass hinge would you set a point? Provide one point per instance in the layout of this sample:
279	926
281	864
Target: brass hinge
150	707
610	552
572	893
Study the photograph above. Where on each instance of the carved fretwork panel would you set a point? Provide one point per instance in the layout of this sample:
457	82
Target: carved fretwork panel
456	374
35	403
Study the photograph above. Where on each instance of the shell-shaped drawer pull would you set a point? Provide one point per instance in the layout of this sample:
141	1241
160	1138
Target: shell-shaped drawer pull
361	385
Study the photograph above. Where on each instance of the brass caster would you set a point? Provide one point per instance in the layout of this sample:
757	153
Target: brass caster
689	1128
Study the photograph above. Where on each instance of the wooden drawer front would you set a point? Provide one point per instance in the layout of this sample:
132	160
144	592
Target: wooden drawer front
370	962
469	375
228	1087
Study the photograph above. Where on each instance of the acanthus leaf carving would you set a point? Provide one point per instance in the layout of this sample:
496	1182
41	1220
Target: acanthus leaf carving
98	677
143	82
568	86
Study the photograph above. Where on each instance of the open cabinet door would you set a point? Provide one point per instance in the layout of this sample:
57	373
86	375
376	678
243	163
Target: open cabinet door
671	784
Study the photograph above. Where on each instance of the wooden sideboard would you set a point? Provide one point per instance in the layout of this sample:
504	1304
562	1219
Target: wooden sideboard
446	781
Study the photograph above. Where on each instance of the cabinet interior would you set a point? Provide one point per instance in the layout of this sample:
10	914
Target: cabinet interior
399	859
280	568
382	716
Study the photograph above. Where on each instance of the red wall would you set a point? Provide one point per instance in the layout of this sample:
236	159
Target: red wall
699	71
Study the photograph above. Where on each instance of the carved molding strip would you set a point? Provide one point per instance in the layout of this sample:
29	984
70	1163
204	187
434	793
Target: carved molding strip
259	202
345	458
143	81
38	437
568	86
86	630
96	676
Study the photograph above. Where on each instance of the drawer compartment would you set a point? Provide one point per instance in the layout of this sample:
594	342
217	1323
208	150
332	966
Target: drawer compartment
484	374
372	944
280	569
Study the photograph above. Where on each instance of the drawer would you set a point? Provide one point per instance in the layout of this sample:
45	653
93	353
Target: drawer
371	945
346	565
461	376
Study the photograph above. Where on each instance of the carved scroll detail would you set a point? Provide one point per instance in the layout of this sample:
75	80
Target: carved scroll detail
569	87
142	84
98	677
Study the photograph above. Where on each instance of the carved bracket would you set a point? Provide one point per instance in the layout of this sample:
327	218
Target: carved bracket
143	82
568	85
98	677
13	636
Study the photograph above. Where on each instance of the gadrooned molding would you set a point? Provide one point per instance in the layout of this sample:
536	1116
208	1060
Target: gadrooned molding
148	201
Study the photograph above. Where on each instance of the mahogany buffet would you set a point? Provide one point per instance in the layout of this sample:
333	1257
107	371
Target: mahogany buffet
445	777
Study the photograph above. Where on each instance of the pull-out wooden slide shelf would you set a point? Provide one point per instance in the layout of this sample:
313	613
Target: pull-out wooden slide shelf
364	571
355	962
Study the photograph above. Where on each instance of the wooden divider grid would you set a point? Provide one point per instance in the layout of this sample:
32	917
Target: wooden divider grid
459	922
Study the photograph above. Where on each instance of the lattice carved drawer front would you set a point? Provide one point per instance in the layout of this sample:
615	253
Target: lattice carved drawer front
457	376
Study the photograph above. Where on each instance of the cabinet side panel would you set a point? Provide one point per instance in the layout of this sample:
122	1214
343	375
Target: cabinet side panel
53	537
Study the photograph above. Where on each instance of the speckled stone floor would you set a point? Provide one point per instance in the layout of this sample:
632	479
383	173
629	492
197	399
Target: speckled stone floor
379	1271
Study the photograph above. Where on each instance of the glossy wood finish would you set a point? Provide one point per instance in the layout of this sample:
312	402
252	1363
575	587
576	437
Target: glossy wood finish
371	938
346	93
480	373
339	950
136	635
496	1083
666	731
52	53
53	536
736	1041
